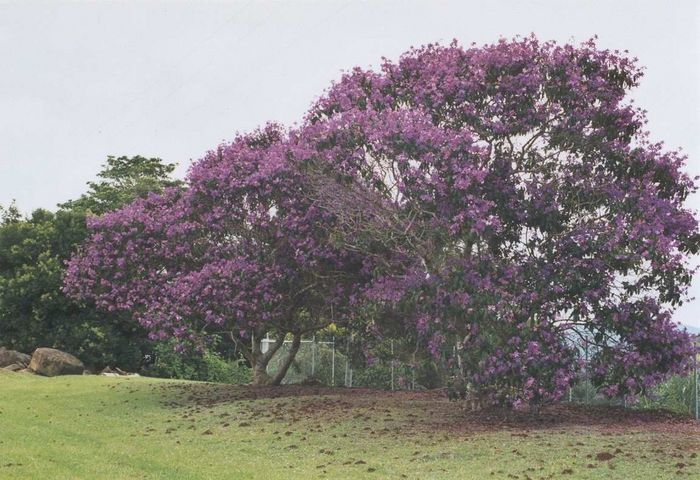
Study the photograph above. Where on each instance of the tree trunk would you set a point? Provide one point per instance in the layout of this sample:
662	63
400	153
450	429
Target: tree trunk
279	376
260	361
260	376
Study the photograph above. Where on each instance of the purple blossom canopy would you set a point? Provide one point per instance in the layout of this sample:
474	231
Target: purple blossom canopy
506	198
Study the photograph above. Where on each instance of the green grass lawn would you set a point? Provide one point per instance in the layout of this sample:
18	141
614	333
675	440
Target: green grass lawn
90	427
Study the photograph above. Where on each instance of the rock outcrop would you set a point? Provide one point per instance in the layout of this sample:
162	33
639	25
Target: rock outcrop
51	362
13	357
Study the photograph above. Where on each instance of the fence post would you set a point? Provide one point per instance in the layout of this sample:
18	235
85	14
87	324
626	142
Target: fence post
587	373
333	363
695	363
266	342
347	360
313	356
392	365
413	372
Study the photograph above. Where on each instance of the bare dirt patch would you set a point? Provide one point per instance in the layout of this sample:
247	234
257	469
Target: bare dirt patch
423	411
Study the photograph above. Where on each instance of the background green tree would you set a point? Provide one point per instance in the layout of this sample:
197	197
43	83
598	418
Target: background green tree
122	179
34	312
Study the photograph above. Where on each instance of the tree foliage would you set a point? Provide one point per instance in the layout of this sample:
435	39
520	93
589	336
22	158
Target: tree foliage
122	179
239	251
521	205
504	199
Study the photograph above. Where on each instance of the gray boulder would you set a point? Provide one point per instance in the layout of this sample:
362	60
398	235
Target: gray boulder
11	357
51	362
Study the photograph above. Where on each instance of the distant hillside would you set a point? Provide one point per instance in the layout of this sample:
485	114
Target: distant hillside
690	328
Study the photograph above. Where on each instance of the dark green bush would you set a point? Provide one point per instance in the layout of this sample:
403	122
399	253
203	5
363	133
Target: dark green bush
208	366
377	375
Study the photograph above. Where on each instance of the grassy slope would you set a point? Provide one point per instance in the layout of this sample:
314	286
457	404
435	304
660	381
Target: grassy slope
112	428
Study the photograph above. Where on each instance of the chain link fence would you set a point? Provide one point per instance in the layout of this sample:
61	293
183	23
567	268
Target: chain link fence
680	394
329	361
316	361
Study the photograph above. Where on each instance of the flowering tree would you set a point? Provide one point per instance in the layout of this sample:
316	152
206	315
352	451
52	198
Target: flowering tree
516	203
504	198
238	251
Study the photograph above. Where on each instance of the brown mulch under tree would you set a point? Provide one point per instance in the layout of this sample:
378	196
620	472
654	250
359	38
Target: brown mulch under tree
428	410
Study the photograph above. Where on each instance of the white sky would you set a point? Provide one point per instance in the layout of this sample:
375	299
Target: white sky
83	80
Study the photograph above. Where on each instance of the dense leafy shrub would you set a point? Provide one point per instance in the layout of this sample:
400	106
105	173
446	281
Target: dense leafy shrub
676	394
377	375
208	366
